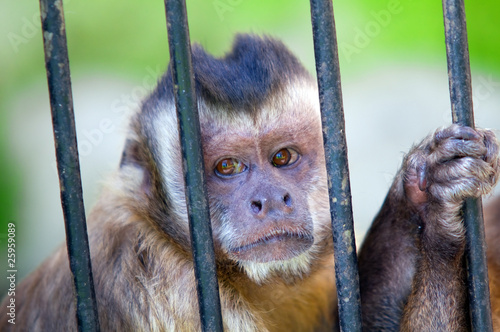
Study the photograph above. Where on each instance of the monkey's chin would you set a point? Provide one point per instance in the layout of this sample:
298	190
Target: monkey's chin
275	247
287	270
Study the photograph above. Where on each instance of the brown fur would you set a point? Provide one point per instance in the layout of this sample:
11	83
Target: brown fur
157	292
492	230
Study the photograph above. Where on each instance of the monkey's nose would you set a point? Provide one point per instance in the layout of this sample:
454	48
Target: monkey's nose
256	206
282	204
287	199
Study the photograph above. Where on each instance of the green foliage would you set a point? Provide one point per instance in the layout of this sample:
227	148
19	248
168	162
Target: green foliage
126	36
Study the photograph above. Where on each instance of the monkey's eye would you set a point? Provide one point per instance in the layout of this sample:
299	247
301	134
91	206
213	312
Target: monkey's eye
229	166
284	157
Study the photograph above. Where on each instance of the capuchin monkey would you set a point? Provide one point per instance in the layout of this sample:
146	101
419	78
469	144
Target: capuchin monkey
267	186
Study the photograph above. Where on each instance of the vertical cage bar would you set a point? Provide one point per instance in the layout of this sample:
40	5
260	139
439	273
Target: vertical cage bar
332	114
194	174
457	51
61	101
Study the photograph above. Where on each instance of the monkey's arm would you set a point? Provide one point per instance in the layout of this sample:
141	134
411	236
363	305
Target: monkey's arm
411	264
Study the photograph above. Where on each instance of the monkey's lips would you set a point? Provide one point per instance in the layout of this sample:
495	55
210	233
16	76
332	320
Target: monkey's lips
274	246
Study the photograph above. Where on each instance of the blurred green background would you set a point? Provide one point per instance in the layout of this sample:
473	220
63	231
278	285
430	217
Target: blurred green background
125	41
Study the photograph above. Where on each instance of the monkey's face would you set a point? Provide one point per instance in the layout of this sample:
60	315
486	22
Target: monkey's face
266	183
264	161
265	175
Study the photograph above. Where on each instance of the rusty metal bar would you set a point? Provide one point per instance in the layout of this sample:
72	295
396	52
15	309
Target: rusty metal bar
61	102
457	51
196	193
332	114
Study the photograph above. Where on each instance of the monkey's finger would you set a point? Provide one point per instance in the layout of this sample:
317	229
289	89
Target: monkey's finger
421	175
465	168
453	148
492	146
456	131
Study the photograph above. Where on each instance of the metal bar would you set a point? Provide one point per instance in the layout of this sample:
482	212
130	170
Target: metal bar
332	113
61	101
457	51
196	193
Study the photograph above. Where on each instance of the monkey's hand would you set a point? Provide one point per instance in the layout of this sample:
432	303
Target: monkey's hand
452	164
412	275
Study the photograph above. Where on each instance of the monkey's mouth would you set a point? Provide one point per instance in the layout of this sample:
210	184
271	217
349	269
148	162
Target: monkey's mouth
274	246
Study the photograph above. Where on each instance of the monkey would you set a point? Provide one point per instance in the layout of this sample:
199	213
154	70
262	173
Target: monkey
269	207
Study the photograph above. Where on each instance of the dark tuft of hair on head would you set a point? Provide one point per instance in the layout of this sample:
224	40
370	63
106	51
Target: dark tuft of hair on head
242	79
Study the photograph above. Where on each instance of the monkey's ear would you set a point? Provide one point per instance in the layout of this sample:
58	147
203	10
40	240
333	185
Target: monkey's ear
131	154
133	158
